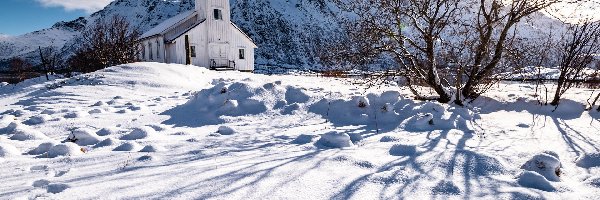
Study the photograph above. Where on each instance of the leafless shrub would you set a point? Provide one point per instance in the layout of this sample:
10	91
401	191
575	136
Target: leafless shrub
454	47
106	43
579	48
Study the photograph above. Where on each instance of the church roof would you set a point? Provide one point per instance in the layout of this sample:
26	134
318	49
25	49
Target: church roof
168	24
180	24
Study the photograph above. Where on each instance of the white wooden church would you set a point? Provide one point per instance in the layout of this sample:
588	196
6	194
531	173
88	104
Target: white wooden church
203	37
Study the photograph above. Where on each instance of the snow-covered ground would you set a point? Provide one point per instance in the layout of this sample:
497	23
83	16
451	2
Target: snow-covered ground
162	131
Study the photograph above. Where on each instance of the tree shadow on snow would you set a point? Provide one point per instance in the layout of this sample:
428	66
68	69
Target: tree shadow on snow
567	110
412	174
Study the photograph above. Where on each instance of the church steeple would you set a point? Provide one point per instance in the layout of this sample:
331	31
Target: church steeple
213	10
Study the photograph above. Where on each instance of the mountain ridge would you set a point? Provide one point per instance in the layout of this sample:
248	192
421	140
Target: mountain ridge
287	32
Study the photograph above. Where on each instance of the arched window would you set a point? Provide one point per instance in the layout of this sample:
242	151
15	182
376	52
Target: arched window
157	49
150	50
143	54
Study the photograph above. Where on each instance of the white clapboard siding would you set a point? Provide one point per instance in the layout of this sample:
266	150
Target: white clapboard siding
213	39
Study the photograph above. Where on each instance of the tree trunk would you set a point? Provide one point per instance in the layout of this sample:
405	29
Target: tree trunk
559	87
467	90
459	73
594	103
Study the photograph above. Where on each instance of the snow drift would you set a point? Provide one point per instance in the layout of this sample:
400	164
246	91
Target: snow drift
588	160
212	106
7	150
334	139
546	164
65	149
387	110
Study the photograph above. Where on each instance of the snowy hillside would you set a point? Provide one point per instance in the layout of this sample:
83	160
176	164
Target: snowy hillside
287	32
158	131
26	45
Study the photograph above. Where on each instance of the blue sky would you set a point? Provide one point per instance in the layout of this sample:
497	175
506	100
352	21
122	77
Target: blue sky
22	16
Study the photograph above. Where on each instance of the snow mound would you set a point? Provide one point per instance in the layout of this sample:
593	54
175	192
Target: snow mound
212	106
7	150
435	116
532	179
136	108
403	150
10	129
296	95
304	139
38	119
105	143
24	134
588	160
2	84
346	112
152	148
100	103
334	139
389	111
76	114
65	149
545	164
107	131
13	112
388	138
83	137
49	112
127	146
95	111
42	148
225	130
139	133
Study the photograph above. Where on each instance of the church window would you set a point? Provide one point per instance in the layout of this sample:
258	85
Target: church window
193	51
218	14
157	50
242	54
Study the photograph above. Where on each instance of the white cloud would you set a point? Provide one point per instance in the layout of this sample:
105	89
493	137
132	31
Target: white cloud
85	5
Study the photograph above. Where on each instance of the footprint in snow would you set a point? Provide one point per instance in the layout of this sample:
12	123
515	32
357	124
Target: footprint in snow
42	183
55	188
60	173
39	168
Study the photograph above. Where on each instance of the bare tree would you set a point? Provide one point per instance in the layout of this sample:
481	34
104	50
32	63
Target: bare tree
496	32
20	67
440	43
579	48
51	60
106	43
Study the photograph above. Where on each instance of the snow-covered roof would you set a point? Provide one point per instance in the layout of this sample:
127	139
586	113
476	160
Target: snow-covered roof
167	24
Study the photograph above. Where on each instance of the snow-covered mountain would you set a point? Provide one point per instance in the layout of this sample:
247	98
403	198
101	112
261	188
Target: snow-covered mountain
286	32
